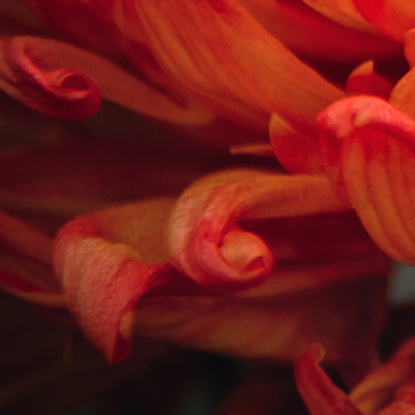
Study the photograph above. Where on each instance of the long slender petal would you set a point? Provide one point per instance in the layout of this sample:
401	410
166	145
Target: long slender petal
219	54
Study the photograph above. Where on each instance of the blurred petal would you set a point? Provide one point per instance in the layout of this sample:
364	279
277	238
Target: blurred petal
205	240
58	92
393	17
379	388
369	148
330	31
51	184
268	326
319	394
365	81
25	263
298	153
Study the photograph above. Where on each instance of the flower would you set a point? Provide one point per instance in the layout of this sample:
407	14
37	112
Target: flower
250	257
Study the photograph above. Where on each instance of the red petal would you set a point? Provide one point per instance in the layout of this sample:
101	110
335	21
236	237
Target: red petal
320	395
59	92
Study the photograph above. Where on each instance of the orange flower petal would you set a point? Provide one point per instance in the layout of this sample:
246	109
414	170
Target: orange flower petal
298	153
219	54
326	30
369	148
205	239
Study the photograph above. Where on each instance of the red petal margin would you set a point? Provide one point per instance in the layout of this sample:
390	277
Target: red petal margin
205	239
369	151
102	275
320	395
59	92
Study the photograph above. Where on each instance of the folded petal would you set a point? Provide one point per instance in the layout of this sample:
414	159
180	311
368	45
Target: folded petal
64	81
369	150
101	279
207	243
59	92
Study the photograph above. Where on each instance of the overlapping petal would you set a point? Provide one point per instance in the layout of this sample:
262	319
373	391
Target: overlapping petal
114	275
369	151
325	30
233	64
387	390
61	80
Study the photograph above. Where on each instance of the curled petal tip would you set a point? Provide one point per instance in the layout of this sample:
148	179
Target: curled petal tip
62	93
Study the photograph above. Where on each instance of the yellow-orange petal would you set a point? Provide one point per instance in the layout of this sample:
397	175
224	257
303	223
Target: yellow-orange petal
217	52
369	148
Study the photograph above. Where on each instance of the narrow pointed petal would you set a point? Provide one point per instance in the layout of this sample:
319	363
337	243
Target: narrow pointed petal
74	93
369	148
320	395
393	17
205	240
